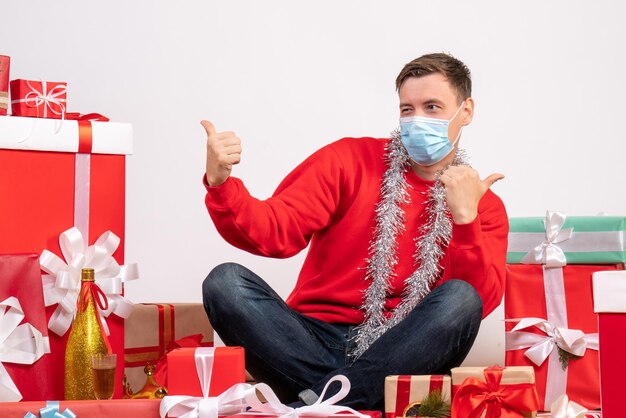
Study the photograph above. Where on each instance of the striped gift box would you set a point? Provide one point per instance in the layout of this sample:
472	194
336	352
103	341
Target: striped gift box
404	393
574	239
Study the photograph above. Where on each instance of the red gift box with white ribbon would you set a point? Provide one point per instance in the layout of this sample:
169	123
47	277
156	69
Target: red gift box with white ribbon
62	185
227	367
39	99
551	326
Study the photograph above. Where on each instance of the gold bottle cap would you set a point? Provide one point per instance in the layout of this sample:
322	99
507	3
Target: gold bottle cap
87	275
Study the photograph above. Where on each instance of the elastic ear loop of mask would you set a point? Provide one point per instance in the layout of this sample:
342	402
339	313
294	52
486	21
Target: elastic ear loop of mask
451	119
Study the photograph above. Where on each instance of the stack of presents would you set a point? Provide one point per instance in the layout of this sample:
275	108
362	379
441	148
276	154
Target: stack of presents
62	191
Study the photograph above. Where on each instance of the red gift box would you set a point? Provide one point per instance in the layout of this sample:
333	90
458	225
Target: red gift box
404	392
556	301
37	200
39	99
609	292
227	369
493	392
20	277
5	65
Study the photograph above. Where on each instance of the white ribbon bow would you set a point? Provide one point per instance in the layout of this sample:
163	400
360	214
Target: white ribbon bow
35	98
563	408
548	252
573	341
242	395
228	403
62	283
21	344
321	407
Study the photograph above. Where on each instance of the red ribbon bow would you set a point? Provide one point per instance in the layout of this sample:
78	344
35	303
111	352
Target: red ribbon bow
101	301
85	137
92	117
99	298
506	401
160	375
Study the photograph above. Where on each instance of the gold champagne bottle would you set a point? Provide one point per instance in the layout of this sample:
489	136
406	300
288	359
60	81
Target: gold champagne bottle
86	339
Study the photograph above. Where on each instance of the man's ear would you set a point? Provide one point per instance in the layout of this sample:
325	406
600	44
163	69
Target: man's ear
467	113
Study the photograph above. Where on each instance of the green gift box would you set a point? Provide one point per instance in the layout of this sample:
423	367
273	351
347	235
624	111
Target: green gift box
557	240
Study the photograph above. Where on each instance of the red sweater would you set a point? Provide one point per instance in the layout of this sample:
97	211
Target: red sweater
329	202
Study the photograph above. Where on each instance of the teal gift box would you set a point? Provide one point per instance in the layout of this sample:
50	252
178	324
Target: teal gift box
557	240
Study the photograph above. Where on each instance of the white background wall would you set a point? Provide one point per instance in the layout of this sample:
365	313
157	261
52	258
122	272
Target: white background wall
292	76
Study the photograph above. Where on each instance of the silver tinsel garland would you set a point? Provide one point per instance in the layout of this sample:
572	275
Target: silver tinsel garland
433	239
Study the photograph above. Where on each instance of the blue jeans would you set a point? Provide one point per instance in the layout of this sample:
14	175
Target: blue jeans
296	355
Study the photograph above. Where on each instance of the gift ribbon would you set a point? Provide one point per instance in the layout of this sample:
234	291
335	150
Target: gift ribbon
573	341
167	327
91	117
541	347
101	304
191	341
51	410
564	408
243	395
548	252
85	134
50	99
321	408
62	283
476	397
82	176
20	344
82	185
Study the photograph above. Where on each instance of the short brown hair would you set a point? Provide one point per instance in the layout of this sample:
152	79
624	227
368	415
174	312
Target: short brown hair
455	71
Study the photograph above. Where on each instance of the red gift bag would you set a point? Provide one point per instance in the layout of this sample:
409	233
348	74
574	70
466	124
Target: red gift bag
20	277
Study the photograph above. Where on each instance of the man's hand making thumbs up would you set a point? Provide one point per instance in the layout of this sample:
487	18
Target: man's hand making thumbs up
223	149
464	189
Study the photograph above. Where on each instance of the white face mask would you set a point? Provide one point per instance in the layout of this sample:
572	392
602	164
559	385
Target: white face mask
426	139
